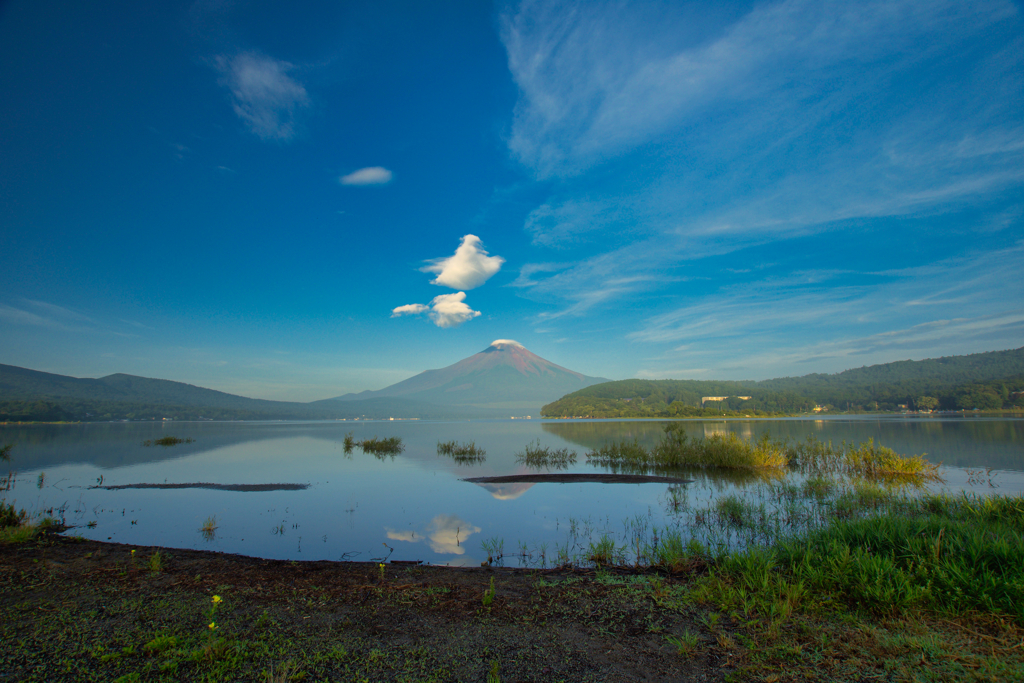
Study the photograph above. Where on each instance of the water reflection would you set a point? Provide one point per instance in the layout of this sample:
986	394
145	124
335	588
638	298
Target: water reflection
508	491
445	534
395	497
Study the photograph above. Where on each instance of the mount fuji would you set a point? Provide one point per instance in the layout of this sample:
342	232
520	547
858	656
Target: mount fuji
505	377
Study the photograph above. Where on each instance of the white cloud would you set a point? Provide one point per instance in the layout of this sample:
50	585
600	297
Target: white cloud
446	310
469	268
372	175
409	309
263	94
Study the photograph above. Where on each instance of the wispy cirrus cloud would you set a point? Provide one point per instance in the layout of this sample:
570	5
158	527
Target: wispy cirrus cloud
599	79
667	140
817	319
263	93
43	314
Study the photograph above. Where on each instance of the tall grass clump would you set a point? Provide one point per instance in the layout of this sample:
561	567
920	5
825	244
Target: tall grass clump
463	453
678	450
865	460
940	552
391	445
535	455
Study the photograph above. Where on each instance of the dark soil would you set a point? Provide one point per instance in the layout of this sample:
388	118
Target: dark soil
85	610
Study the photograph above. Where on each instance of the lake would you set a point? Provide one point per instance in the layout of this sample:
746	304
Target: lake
416	506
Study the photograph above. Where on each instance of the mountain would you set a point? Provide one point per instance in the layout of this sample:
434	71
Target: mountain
990	380
31	395
505	377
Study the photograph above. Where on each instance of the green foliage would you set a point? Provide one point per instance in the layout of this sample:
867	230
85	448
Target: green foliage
5	453
604	551
535	455
391	445
488	597
970	382
677	450
463	453
9	517
946	553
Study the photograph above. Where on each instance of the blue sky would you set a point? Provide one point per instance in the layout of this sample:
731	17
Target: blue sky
298	200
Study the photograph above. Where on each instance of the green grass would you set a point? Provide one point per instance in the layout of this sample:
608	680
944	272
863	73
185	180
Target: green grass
537	456
767	457
462	453
24	530
391	445
949	554
678	450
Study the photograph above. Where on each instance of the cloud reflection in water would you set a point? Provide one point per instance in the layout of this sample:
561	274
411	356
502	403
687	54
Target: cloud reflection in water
445	534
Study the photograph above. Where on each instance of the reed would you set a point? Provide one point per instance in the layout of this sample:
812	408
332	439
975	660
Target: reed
535	455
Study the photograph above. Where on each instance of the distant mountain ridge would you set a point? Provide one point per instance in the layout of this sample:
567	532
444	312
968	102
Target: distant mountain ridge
504	379
30	394
956	382
504	376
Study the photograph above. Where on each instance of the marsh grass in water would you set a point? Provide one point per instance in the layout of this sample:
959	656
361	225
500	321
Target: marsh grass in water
391	445
167	441
462	453
209	528
678	451
537	456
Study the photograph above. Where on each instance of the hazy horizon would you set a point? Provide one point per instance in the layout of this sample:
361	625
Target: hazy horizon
304	201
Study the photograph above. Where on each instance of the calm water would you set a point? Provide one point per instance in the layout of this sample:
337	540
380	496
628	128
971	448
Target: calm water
358	506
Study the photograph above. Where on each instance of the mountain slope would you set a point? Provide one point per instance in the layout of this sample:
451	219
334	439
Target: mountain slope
27	395
957	382
505	375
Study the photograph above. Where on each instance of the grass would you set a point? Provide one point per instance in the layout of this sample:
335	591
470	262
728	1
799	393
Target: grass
167	441
391	445
26	531
462	453
535	455
677	450
209	528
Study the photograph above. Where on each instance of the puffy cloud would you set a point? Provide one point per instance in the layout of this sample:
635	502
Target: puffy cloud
446	310
263	94
449	310
372	175
468	268
410	309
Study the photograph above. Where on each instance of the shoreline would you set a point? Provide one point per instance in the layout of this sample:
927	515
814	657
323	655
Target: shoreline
94	610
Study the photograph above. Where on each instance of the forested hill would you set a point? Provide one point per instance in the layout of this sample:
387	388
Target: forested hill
34	396
982	380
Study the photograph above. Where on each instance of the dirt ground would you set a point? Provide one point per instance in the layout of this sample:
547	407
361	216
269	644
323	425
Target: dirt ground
75	610
85	610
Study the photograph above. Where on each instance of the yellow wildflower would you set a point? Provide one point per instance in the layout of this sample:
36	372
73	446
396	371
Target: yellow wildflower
213	625
216	599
